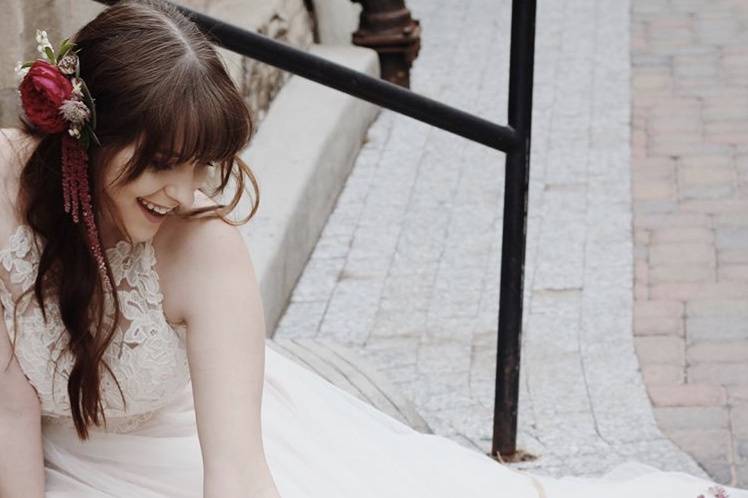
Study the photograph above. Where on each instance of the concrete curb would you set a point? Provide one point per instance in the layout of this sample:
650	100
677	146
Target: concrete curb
302	155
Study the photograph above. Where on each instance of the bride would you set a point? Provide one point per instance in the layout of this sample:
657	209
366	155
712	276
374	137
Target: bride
133	350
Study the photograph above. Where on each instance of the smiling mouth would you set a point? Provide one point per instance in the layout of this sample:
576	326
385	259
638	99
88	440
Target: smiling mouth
154	209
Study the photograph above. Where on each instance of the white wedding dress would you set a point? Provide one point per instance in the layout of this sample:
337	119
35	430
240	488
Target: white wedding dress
320	441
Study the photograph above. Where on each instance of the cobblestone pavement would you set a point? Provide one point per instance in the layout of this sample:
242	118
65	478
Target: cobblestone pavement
690	185
407	268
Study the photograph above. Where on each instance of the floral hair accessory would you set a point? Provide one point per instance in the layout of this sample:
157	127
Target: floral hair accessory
55	100
53	95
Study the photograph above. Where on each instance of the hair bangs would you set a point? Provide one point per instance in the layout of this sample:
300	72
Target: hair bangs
206	123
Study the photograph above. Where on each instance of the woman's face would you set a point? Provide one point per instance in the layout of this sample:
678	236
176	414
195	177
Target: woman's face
145	203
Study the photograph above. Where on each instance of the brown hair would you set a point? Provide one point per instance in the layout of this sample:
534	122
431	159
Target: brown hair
158	83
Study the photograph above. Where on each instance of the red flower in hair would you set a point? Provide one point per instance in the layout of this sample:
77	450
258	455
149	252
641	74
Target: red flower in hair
43	90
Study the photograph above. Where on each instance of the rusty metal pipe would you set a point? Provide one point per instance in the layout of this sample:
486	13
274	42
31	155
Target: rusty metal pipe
387	27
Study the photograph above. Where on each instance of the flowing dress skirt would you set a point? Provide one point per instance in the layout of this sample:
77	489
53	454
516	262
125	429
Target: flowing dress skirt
322	442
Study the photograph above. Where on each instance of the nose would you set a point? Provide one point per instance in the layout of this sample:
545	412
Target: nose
181	188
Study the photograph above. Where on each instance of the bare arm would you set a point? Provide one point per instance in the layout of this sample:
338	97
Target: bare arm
21	455
221	304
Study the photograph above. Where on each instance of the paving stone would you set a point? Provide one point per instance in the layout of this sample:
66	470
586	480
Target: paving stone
653	325
660	350
705	445
690	291
718	373
732	238
727	351
681	272
672	220
737	394
658	374
688	395
654	191
685	252
682	234
301	319
742	475
720	470
319	279
732	256
739	418
688	417
734	272
716	320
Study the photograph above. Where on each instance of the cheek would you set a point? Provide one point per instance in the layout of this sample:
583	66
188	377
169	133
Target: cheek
125	197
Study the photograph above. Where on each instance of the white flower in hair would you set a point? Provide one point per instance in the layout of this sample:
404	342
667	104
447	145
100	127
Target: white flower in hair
20	71
41	37
43	41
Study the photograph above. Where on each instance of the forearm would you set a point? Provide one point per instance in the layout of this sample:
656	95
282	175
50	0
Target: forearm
21	456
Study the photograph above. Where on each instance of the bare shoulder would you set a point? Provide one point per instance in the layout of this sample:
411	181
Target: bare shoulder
15	141
191	254
15	149
16	146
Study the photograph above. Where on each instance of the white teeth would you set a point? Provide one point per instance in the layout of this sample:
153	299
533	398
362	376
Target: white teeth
157	209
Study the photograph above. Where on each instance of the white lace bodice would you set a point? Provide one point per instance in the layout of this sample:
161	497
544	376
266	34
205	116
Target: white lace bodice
147	354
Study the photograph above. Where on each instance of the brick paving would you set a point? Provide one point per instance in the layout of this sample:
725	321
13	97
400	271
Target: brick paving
406	270
690	191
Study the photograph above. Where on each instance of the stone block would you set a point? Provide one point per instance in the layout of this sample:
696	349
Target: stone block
662	374
692	417
658	309
739	419
666	235
719	470
681	252
654	190
672	220
688	395
722	351
737	272
695	182
703	444
652	79
686	291
737	394
715	207
728	238
726	374
682	272
660	350
705	162
732	256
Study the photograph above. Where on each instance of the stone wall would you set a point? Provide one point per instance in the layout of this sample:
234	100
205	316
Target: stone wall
288	21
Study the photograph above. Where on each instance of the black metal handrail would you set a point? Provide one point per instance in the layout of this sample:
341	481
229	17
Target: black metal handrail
513	139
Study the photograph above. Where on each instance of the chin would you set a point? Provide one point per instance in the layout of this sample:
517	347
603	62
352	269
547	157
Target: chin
141	234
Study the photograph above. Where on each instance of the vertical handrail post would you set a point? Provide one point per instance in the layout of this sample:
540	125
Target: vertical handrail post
514	237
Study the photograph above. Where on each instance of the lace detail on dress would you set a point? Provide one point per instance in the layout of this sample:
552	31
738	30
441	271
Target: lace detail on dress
147	354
